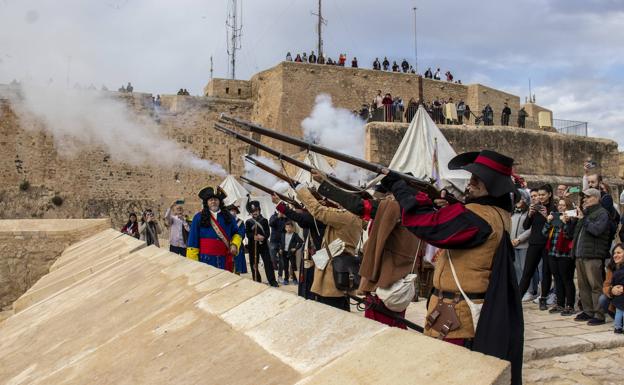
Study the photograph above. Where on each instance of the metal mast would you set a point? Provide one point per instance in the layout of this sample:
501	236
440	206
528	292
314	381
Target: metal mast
235	26
319	29
211	67
415	43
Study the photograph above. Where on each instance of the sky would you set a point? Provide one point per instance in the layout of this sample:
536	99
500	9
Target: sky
572	50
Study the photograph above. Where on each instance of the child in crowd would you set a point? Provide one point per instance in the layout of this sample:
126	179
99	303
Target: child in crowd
290	243
617	283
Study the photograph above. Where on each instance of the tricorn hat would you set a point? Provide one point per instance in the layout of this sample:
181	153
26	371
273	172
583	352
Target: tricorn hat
233	207
492	168
212	192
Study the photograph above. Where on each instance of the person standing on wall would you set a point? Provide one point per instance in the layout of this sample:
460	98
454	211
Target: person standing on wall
214	237
505	115
174	220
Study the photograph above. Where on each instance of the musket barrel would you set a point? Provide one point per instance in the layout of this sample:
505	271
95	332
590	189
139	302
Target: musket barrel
271	192
303	144
279	155
376	168
270	170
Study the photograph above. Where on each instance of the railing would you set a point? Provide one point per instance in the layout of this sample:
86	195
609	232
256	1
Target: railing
570	127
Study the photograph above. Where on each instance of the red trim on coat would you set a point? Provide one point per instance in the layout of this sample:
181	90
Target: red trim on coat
435	218
457	238
368	210
493	165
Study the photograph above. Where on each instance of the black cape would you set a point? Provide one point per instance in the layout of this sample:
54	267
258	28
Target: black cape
500	331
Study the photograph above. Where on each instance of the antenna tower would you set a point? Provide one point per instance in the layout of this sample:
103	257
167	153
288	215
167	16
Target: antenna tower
234	25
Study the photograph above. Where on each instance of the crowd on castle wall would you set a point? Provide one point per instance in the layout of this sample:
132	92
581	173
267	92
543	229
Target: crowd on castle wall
384	65
386	108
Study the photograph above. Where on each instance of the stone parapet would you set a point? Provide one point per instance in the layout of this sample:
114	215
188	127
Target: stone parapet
536	153
28	247
145	314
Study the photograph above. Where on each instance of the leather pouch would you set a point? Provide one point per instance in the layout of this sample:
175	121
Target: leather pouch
443	318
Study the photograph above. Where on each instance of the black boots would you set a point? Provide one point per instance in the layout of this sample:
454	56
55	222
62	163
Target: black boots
542	303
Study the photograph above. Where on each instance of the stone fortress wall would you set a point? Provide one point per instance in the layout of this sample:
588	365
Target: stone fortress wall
92	185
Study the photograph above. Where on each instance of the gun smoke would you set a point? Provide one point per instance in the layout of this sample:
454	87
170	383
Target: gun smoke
79	120
339	130
257	175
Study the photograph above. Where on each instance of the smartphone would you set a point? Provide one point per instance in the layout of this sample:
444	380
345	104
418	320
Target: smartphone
179	202
574	190
571	213
556	220
538	207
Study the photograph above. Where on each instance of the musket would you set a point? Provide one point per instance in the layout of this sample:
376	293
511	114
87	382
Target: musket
272	192
417	183
263	166
338	182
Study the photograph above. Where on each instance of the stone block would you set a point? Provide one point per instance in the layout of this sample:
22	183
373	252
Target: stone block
230	296
604	340
557	346
370	363
217	282
317	334
260	308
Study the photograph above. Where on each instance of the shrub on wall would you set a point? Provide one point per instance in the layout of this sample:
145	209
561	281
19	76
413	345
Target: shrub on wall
57	200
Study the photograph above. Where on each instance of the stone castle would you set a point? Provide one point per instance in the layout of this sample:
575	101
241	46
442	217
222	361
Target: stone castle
92	186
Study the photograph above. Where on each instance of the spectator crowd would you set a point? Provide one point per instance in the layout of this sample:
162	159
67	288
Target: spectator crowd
386	108
384	65
567	232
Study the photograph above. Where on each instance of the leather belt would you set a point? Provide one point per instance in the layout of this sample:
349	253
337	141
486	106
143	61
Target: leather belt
451	295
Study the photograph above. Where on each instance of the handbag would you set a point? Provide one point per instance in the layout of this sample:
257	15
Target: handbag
346	271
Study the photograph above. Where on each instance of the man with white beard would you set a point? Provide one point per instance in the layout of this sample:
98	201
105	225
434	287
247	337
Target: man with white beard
214	237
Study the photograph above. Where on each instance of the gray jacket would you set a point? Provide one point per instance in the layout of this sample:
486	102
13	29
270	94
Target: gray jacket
518	232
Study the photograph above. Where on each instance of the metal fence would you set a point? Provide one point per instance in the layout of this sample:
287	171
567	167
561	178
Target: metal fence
570	127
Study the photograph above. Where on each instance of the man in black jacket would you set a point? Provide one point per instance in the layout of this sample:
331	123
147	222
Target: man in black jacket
258	231
536	251
276	223
290	243
590	232
313	232
505	115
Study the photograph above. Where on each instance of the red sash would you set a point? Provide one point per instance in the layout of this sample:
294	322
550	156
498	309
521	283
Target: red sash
225	241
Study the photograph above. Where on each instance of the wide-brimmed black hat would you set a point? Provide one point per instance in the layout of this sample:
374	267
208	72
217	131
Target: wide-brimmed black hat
492	168
252	206
212	192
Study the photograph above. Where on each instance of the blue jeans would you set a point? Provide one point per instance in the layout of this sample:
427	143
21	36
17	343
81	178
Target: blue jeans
619	315
275	259
604	302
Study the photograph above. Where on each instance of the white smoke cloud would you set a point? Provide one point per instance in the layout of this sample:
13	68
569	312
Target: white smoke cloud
339	130
262	177
80	120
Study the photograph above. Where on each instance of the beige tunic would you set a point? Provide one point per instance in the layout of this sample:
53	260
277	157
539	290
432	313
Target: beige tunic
340	224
